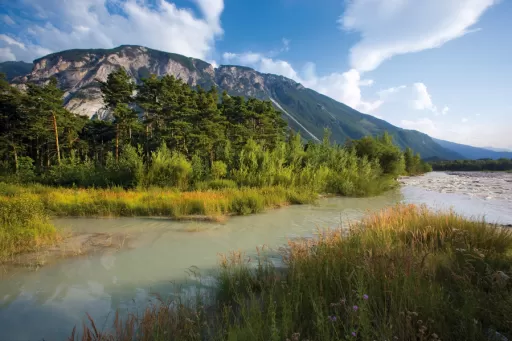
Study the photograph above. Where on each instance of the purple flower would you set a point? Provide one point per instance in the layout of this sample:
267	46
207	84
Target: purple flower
354	334
332	318
355	307
365	297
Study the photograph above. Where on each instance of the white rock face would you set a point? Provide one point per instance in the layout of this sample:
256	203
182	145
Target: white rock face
79	70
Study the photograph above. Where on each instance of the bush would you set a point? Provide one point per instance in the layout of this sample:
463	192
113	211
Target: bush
24	226
215	185
218	170
168	169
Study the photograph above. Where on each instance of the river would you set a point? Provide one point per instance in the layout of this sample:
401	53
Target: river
165	256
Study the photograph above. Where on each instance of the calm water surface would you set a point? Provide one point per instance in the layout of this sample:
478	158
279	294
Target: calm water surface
163	256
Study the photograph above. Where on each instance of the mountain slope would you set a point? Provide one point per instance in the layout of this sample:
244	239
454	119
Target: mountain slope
471	152
15	69
77	72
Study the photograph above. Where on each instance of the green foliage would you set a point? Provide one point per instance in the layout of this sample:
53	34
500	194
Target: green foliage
168	169
185	138
24	226
128	171
473	165
413	163
219	170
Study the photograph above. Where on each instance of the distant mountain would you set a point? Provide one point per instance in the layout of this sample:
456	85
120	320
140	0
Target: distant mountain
498	149
470	152
15	69
306	110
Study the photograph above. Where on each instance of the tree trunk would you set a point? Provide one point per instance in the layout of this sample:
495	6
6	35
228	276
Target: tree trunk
147	142
15	152
56	131
117	143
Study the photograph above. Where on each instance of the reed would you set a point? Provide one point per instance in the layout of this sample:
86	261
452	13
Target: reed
156	201
24	226
406	273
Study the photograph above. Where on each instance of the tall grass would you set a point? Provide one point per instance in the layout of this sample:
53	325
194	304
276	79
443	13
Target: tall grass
157	202
404	274
24	226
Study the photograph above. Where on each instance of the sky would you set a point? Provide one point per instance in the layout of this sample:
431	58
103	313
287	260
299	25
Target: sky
442	67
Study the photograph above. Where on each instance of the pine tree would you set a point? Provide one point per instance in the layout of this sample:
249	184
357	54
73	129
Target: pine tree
117	94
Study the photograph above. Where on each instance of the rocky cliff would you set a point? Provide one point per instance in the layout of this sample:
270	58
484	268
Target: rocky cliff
78	72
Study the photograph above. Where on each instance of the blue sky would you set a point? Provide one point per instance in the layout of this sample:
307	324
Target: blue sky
439	66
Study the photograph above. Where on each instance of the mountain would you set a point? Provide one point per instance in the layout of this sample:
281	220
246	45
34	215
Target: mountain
15	69
77	72
474	153
498	149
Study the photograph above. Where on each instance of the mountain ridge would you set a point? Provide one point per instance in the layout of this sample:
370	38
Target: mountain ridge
306	110
471	152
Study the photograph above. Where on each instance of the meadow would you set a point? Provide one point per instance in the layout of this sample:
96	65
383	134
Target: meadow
405	273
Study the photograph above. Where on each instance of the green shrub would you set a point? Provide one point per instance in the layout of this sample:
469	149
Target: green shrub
24	226
218	170
215	185
168	169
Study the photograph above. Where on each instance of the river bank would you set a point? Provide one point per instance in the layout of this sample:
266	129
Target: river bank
178	259
404	273
26	211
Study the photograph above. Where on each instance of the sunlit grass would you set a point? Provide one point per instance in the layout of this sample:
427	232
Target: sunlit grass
24	226
158	202
406	273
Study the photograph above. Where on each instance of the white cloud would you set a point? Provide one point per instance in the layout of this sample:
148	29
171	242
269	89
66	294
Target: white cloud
10	41
6	54
428	24
415	97
8	20
495	134
464	120
425	125
423	100
90	24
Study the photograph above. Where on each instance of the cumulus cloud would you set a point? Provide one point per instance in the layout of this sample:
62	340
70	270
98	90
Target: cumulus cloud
108	23
425	125
429	24
344	87
415	97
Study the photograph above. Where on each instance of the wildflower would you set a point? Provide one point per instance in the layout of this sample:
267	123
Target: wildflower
365	297
354	334
332	318
355	307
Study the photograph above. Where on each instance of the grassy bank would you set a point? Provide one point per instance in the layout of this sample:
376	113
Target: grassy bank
118	202
25	211
24	226
403	274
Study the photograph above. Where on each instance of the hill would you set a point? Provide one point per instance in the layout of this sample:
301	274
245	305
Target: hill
474	153
15	69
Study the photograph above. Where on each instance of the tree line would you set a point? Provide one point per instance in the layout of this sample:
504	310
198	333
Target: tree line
473	165
162	132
